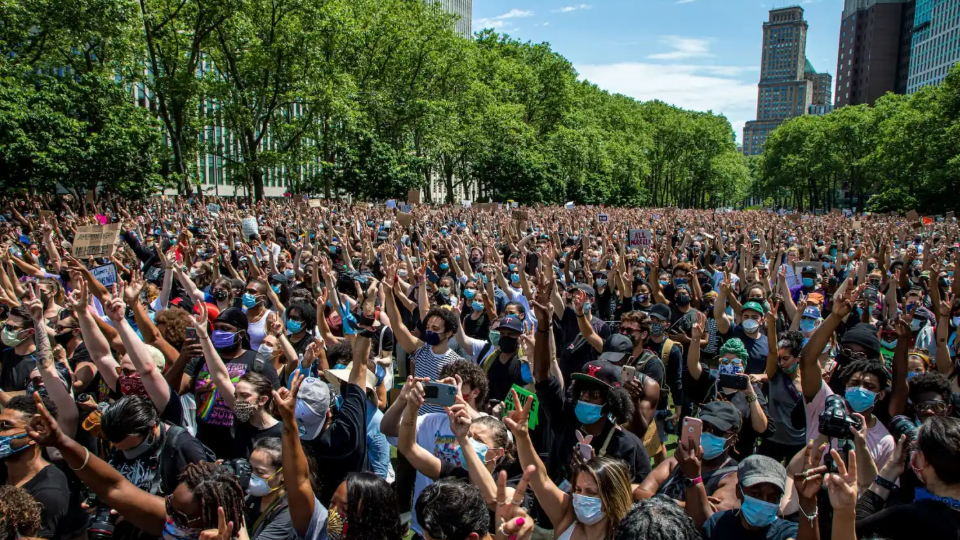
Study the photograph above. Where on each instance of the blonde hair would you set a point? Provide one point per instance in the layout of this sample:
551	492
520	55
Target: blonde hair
158	359
613	483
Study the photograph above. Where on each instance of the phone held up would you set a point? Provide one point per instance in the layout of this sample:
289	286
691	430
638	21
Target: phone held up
692	429
441	394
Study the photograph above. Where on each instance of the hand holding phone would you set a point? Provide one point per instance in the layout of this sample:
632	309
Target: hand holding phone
584	445
692	430
439	394
628	373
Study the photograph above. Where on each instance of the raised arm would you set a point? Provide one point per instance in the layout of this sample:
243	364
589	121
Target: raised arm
218	370
900	388
57	389
423	461
773	353
97	345
400	330
296	472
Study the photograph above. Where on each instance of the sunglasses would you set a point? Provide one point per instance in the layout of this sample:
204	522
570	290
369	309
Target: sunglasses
178	517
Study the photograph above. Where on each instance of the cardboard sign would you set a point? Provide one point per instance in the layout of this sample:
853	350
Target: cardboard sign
641	238
414	196
404	219
857	225
520	215
106	274
603	218
392	203
249	227
313	203
298	198
96	240
405	208
213	208
794	218
466	203
913	216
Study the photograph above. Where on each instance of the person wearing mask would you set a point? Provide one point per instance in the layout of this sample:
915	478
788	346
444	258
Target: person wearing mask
658	518
501	362
364	507
17	359
258	316
593	504
671	356
434	432
222	293
786	395
935	510
749	331
595	407
301	321
215	416
721	427
432	352
575	350
149	453
266	510
476	322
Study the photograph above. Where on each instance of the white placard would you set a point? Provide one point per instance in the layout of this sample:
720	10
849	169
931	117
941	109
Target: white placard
641	238
106	274
249	226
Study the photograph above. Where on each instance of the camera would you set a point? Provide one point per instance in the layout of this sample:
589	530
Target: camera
901	425
835	422
102	525
242	469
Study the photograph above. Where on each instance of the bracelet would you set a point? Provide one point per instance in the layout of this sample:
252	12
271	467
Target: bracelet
688	482
85	460
581	316
751	398
810	517
886	484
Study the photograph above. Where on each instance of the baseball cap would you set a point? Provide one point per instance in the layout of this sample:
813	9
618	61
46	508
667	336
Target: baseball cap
722	415
234	317
811	313
809	270
754	306
601	372
660	311
616	348
587	289
511	322
757	469
313	401
280	278
336	376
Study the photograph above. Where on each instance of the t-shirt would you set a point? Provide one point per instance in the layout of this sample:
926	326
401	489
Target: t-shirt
276	525
925	519
59	516
15	370
786	410
478	328
726	526
435	436
317	530
342	447
757	349
246	435
501	375
98	387
428	364
880	443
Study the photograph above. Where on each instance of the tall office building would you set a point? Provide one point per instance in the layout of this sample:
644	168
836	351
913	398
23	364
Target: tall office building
936	42
822	90
784	91
463	9
874	53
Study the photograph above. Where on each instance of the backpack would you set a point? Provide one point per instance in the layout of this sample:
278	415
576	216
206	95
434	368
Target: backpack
169	476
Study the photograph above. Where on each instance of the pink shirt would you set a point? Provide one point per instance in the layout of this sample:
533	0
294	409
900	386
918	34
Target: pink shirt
880	443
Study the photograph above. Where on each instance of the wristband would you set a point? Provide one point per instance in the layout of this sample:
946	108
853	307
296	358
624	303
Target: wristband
692	482
751	398
886	484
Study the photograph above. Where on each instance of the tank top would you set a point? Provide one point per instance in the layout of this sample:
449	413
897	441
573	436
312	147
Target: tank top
675	488
257	331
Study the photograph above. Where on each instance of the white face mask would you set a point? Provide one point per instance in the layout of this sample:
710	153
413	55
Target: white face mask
260	487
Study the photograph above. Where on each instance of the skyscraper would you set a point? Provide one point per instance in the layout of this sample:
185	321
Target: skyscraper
822	90
463	9
784	92
874	53
936	42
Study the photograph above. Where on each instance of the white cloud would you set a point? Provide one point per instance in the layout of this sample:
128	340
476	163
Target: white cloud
577	7
700	88
683	47
501	21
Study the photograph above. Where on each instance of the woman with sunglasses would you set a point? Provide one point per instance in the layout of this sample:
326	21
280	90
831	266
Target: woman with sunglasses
208	493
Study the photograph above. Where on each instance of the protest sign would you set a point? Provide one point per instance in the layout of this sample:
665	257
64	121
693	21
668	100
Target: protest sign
794	217
392	203
603	218
96	240
467	203
514	205
414	196
857	225
298	198
913	216
520	215
641	238
106	274
313	203
569	205
249	227
405	208
404	219
523	395
213	208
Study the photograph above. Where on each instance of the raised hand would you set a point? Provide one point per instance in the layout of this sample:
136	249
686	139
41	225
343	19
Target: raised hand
511	520
43	428
842	486
224	530
131	293
286	400
517	419
32	302
809	481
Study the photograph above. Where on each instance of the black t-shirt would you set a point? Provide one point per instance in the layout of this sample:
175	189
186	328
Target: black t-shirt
342	447
246	434
747	441
570	328
574	356
502	376
60	517
922	519
97	387
623	444
702	390
673	369
15	370
478	328
726	526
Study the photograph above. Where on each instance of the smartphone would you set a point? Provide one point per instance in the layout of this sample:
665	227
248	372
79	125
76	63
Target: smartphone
738	382
440	394
692	429
628	373
191	333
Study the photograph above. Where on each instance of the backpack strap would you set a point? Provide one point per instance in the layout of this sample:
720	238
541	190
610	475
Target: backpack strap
668	345
488	354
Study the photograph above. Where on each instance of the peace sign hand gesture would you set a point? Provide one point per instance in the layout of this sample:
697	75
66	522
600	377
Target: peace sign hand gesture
286	400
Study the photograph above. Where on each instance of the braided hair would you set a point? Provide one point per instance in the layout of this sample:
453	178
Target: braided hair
214	485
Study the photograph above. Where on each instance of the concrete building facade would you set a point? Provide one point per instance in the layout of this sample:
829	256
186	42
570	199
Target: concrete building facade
935	48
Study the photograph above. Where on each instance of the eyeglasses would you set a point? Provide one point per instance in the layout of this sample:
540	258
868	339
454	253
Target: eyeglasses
628	330
931	406
11	328
178	517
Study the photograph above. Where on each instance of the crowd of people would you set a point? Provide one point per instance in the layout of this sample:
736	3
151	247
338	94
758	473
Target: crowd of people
292	371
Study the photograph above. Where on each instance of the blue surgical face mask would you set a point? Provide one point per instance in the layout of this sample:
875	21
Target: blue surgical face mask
750	325
807	282
589	510
276	288
587	306
915	324
444	266
588	413
515	278
712	445
859	398
808	325
888	344
294	326
758	513
478	447
494	338
525	373
6	448
290	273
469	293
477	306
249	300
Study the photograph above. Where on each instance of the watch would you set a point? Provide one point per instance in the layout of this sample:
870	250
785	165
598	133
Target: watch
687	482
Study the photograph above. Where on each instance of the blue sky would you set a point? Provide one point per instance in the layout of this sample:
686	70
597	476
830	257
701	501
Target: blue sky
696	54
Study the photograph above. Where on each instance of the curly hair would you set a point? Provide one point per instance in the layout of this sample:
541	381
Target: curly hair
450	321
19	513
373	513
643	320
867	366
930	382
175	323
792	341
214	486
470	373
618	402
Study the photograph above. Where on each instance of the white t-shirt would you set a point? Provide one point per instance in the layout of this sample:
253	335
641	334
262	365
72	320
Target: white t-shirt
434	435
880	443
718	279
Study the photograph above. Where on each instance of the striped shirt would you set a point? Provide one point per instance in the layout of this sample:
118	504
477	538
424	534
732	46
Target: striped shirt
428	364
